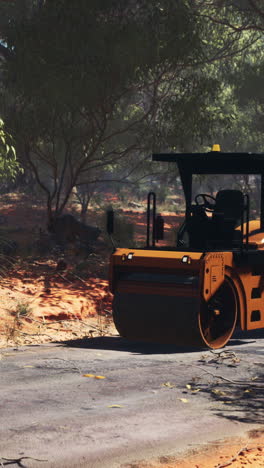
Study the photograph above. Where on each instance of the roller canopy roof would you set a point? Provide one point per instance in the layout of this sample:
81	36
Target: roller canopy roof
215	162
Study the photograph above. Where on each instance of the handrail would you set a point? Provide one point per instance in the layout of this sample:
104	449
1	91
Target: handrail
247	219
152	196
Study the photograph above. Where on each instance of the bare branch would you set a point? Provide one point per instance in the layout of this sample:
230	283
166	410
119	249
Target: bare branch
35	171
62	176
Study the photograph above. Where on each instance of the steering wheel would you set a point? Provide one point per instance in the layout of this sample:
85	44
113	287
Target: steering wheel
205	203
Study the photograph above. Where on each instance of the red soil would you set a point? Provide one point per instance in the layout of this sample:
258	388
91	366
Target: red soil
232	453
39	303
35	296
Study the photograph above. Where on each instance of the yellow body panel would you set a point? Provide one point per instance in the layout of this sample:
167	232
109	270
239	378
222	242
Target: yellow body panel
167	255
209	270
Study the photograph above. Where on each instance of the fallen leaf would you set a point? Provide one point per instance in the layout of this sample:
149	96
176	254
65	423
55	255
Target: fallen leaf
168	384
94	376
28	366
189	386
218	392
248	390
196	390
115	406
184	400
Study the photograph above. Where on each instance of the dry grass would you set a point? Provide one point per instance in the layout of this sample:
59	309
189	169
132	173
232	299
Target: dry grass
25	330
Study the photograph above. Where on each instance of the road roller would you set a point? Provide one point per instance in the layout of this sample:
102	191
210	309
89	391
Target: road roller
196	292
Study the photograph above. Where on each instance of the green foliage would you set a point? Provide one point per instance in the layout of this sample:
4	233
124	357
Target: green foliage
67	46
92	88
5	138
92	83
9	166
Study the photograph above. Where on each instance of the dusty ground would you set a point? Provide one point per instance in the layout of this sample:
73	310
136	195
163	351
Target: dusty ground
41	303
233	453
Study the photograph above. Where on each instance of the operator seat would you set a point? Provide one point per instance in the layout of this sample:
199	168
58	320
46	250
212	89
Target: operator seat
227	215
219	230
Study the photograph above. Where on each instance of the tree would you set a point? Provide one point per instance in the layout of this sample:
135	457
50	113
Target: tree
80	99
237	15
9	166
91	88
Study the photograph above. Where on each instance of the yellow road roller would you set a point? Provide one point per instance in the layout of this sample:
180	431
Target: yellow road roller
211	281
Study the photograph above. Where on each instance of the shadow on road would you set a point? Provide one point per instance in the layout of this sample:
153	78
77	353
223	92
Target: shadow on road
242	403
116	343
248	335
121	344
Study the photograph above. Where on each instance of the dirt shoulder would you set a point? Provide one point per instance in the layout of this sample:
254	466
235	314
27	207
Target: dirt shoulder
41	303
233	453
42	298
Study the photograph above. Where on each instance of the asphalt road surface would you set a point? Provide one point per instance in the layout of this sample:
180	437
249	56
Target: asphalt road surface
153	400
